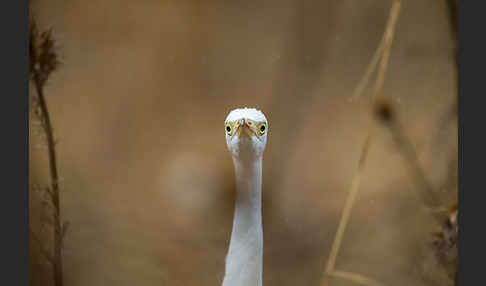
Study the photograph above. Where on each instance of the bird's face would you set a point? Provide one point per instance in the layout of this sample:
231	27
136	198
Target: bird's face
246	132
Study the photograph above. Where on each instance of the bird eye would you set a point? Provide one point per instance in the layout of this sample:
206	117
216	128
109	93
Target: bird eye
262	128
228	129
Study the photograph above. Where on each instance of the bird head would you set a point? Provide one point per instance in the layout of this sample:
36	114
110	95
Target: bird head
246	132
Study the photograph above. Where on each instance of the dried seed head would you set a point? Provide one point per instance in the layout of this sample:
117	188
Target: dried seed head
43	58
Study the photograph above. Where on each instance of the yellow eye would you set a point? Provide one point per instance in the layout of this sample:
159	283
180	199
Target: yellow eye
228	129
262	128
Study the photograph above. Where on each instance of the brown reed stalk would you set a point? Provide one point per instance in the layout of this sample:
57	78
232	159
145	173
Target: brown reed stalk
363	83
426	190
43	60
357	278
330	267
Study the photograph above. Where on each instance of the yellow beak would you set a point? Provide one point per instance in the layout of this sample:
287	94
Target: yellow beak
246	127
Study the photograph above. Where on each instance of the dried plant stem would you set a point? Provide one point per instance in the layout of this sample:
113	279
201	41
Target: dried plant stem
363	83
426	191
453	20
388	39
43	250
329	270
54	190
357	278
348	206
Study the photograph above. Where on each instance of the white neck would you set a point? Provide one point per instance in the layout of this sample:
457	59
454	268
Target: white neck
245	256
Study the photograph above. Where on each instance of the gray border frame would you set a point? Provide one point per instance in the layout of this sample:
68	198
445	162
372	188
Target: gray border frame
471	215
14	213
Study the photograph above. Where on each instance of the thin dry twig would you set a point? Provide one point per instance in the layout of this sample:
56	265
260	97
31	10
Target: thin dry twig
357	278
425	188
45	253
363	83
329	270
388	38
43	60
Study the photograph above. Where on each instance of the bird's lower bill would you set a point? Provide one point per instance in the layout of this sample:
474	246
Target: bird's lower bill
245	131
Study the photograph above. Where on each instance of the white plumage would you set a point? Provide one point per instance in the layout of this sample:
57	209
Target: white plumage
246	136
251	113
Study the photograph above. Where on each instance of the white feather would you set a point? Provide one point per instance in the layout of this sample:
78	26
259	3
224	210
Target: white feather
250	113
244	262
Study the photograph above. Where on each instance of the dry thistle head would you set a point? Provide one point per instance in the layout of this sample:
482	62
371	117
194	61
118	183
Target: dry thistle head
384	112
452	219
446	238
43	59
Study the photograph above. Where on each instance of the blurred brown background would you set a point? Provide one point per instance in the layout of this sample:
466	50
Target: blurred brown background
147	183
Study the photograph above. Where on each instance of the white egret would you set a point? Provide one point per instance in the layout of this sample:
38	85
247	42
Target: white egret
246	136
